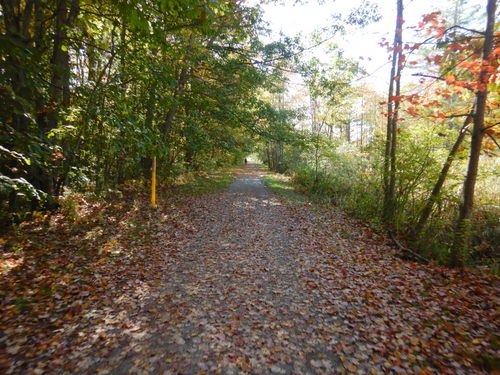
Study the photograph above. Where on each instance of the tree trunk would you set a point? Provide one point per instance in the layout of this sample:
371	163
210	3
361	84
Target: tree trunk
23	23
461	238
361	124
183	78
316	161
426	212
17	21
392	113
59	86
146	161
269	160
59	91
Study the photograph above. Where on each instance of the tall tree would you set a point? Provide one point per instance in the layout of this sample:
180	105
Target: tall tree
478	132
393	104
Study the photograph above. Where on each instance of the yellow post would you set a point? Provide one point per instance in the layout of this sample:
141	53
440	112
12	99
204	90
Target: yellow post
153	183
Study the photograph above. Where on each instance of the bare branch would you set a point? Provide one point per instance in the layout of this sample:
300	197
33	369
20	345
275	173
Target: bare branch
409	251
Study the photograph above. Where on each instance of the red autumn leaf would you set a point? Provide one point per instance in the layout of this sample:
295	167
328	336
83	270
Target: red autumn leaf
396	98
456	47
439	32
450	78
412	111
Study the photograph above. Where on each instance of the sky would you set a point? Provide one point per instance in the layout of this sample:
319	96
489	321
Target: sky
361	45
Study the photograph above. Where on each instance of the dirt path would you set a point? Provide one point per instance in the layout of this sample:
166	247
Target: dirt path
233	300
241	283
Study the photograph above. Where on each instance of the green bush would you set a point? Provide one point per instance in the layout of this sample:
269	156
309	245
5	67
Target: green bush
351	178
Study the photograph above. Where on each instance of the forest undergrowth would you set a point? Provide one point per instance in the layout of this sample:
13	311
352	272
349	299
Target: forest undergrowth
350	188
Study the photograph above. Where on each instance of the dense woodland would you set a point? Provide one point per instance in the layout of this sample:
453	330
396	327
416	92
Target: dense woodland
92	91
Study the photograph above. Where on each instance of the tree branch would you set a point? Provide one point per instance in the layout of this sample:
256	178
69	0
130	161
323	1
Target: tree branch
491	126
440	78
405	249
493	139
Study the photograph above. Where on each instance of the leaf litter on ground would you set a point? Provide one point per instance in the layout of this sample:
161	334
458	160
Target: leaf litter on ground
234	282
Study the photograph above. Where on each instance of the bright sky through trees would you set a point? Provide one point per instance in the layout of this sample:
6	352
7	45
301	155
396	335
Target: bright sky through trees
362	45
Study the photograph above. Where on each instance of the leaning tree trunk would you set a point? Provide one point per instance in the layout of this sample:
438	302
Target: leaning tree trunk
461	237
426	212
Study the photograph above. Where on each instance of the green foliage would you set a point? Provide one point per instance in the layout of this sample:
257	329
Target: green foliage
90	94
201	183
344	179
365	14
86	102
20	186
284	187
341	174
69	206
20	192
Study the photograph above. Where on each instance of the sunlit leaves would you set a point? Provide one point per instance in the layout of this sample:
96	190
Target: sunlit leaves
364	14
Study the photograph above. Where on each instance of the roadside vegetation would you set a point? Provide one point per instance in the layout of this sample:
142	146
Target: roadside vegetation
421	162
